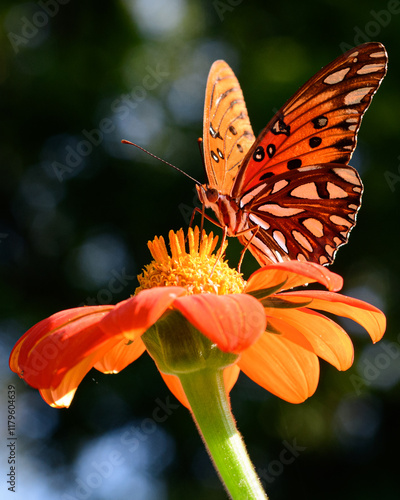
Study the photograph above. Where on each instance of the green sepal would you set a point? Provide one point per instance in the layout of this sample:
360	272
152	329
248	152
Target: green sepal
178	347
276	302
265	292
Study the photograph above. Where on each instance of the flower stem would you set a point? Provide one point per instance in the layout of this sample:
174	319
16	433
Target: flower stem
212	414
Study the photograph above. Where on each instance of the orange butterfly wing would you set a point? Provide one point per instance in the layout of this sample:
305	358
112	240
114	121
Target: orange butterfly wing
319	124
227	133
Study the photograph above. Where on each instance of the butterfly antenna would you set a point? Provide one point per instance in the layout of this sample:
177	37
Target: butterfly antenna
160	159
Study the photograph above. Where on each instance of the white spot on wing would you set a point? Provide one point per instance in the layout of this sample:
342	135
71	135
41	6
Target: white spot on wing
323	260
340	221
280	239
250	195
377	54
335	191
347	175
308	168
275	209
314	226
329	250
279	185
370	68
259	221
306	191
336	77
302	240
337	241
356	96
278	256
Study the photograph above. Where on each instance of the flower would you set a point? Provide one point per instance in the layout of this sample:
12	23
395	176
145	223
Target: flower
270	331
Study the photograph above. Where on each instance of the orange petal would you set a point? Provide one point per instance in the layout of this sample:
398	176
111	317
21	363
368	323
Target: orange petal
233	322
368	316
281	365
329	341
134	316
121	355
291	274
56	398
83	315
62	390
231	374
37	355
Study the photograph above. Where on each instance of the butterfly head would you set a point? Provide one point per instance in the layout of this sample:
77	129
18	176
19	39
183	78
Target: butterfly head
207	195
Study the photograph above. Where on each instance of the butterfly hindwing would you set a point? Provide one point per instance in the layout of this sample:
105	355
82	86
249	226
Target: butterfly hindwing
304	214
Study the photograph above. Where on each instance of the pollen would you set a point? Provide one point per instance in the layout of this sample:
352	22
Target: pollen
197	269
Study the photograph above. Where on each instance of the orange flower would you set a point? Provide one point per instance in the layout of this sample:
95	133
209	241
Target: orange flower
275	334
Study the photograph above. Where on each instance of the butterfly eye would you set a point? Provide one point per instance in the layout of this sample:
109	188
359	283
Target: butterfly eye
212	195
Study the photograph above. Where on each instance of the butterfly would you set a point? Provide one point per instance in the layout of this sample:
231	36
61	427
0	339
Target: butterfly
290	193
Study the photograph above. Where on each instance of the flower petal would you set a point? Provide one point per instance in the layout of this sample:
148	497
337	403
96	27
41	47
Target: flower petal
231	374
281	365
291	274
329	341
233	322
63	387
36	356
368	316
121	355
134	316
56	397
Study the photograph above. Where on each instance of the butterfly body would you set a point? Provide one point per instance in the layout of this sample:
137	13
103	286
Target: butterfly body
290	193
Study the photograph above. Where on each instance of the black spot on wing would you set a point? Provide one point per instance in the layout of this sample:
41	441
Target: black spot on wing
295	163
314	142
271	149
320	122
259	154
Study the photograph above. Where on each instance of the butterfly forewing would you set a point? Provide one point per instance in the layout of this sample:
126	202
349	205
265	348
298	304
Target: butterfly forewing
319	124
227	133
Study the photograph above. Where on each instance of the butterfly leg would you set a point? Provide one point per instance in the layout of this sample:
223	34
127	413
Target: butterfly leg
203	216
221	248
247	244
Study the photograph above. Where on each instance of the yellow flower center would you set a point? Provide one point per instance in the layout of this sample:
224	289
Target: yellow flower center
198	270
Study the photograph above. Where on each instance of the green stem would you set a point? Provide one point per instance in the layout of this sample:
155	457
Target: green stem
211	411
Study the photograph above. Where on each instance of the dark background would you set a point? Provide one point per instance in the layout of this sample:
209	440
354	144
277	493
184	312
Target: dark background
68	227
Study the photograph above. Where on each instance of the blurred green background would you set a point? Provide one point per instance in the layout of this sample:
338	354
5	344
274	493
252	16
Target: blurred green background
70	224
